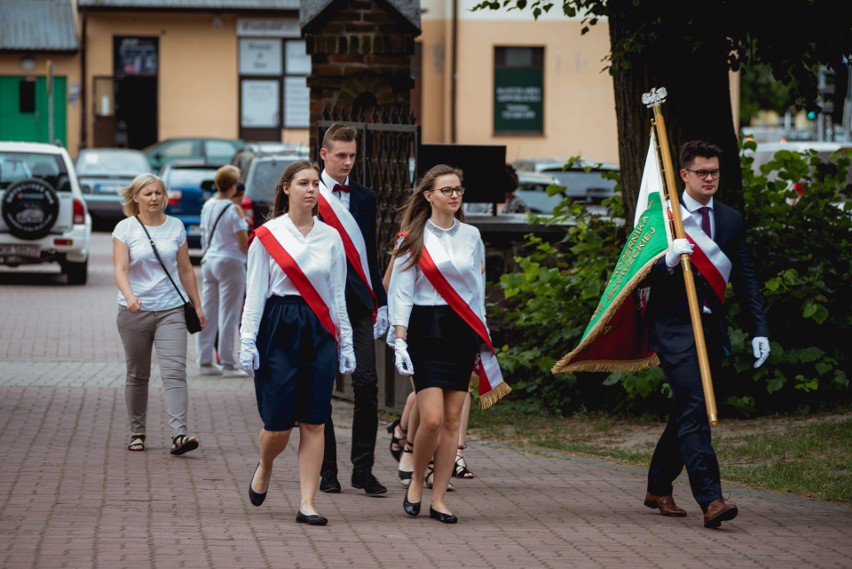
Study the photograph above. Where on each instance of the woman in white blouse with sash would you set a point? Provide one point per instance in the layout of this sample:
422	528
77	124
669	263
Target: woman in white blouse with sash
432	339
294	322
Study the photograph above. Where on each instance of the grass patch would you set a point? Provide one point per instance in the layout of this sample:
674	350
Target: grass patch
807	456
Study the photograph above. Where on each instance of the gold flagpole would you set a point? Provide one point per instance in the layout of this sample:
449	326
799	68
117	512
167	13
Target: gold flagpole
654	99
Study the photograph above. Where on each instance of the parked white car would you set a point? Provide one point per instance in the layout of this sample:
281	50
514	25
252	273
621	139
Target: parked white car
44	217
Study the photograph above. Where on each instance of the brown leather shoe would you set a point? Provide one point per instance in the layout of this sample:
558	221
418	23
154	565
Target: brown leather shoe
666	504
719	511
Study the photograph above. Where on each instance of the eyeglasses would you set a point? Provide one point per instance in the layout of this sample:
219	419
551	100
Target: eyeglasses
450	191
704	173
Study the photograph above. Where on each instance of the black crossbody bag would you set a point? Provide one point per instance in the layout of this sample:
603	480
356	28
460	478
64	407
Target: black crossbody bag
193	324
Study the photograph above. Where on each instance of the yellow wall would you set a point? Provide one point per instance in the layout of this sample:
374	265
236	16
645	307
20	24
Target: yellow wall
67	66
579	106
197	88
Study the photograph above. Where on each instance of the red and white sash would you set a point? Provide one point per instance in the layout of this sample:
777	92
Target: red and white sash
291	256
714	265
337	216
461	295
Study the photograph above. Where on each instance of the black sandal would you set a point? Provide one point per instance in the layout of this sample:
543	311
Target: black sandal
396	444
182	444
460	470
136	441
430	477
405	475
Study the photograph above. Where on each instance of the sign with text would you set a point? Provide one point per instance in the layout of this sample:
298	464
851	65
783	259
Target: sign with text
518	100
260	57
269	27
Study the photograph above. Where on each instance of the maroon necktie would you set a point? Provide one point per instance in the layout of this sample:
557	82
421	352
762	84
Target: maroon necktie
342	188
705	220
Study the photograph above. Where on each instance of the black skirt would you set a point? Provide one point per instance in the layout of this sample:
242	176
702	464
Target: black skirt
442	347
298	361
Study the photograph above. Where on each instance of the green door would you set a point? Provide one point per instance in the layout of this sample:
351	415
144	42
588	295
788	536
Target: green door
23	109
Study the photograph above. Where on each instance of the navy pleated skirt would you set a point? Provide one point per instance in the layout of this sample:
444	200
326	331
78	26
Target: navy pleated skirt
298	360
442	347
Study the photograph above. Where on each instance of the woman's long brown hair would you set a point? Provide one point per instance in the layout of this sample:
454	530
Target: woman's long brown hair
417	211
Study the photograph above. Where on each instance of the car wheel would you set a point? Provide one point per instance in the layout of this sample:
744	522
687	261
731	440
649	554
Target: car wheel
77	273
30	208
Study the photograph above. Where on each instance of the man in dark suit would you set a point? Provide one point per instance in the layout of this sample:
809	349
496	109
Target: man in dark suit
685	442
363	299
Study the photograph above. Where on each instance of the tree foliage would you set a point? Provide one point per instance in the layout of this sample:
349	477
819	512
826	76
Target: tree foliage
802	255
689	48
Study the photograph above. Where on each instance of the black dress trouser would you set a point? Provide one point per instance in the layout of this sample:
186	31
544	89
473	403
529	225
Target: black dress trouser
365	389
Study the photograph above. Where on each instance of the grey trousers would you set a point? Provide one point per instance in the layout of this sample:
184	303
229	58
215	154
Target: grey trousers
224	288
166	331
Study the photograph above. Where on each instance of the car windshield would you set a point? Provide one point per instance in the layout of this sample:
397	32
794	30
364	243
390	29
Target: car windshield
94	163
188	177
16	166
263	179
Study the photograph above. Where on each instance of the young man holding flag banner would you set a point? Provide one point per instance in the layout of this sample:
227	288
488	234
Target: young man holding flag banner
646	286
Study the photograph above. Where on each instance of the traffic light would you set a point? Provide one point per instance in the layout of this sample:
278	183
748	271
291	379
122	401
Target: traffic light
812	115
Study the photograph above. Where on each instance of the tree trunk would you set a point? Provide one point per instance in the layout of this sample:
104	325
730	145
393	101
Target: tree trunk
695	74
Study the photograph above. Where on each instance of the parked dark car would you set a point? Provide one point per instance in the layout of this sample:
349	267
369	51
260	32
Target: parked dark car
188	185
583	179
249	150
209	150
261	176
102	173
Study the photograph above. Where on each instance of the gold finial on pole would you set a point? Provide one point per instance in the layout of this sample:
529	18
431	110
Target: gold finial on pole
654	99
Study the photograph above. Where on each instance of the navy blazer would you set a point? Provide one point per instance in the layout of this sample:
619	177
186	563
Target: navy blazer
362	206
667	313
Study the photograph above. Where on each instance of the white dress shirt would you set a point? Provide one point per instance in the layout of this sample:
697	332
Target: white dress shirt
692	205
330	182
265	277
409	286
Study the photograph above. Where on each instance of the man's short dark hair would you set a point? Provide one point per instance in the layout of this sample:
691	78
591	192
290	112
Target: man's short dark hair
339	133
694	148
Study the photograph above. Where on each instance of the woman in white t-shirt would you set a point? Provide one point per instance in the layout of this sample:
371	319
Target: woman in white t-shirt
224	238
150	306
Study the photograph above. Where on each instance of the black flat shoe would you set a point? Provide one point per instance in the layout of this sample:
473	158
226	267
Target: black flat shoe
311	519
256	497
441	516
411	508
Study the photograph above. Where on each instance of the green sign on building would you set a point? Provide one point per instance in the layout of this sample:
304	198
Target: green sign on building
518	106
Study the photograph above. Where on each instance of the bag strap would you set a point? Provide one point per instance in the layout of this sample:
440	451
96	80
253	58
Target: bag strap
157	254
215	223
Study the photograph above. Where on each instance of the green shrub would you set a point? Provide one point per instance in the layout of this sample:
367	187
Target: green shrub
801	254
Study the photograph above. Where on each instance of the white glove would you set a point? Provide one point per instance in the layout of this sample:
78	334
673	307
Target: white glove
347	359
676	249
249	357
760	344
381	325
402	360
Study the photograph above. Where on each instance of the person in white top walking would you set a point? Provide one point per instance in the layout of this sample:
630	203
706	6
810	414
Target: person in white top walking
150	306
224	239
434	340
294	322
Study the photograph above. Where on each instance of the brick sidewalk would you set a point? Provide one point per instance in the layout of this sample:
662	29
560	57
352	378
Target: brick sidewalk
73	496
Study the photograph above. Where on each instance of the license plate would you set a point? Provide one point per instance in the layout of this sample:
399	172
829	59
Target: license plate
108	188
193	230
20	250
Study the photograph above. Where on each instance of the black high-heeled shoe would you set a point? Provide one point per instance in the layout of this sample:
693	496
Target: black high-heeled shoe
257	498
442	517
411	508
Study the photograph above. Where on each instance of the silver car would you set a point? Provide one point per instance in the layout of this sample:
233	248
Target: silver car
102	173
584	180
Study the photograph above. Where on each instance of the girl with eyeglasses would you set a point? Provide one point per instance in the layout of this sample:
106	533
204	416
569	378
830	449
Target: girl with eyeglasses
436	306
